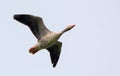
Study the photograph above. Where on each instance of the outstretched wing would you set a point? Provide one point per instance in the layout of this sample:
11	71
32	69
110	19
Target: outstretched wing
36	24
55	51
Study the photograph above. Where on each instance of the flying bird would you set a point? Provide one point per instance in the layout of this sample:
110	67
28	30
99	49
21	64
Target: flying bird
46	39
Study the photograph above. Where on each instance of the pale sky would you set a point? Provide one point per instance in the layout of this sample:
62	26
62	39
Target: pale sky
92	48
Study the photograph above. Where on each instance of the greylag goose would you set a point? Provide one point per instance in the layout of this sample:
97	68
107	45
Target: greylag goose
46	38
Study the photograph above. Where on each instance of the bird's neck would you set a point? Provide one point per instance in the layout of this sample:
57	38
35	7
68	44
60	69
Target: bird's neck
63	31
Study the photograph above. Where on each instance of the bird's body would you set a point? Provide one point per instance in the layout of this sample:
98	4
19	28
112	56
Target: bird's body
46	38
45	42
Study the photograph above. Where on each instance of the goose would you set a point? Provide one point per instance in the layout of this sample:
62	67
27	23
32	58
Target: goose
46	39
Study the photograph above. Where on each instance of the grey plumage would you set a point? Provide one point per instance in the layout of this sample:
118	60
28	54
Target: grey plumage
46	38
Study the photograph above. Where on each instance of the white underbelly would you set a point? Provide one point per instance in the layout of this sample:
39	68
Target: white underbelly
48	41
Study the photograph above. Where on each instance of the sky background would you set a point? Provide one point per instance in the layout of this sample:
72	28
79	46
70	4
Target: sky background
92	48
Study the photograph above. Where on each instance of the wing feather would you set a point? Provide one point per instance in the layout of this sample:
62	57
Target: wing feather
35	24
55	51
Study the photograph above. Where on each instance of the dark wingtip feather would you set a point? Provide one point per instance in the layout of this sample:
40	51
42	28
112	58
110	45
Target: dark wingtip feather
55	51
56	60
16	16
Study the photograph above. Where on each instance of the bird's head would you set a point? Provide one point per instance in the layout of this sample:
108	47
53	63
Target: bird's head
69	27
